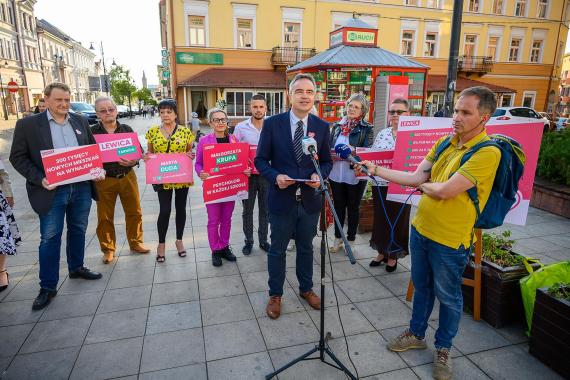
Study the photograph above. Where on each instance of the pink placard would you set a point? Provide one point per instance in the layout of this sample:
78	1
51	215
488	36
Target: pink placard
70	165
378	157
167	168
252	153
225	188
226	158
114	146
416	136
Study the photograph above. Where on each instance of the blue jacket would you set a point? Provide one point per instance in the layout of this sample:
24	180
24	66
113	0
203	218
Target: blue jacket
275	155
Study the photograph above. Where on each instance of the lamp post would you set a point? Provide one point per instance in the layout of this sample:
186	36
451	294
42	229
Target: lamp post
106	81
4	108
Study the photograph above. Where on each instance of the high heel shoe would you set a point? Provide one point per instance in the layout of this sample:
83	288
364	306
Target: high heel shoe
2	288
375	263
391	268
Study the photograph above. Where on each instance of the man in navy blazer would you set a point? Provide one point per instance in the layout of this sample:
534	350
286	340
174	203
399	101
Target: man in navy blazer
294	206
55	128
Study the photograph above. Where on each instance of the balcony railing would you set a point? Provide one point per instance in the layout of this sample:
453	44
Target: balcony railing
290	55
471	64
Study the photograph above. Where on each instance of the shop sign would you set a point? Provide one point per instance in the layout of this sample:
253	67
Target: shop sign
199	58
335	38
164	53
359	37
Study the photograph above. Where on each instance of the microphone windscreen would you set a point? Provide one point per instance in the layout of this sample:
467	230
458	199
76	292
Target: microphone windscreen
343	151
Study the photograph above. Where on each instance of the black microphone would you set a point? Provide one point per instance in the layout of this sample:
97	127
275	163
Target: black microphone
344	152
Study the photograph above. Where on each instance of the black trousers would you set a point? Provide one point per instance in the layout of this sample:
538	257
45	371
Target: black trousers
347	201
165	202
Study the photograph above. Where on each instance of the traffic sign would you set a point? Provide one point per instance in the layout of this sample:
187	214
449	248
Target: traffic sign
164	53
166	74
13	86
165	62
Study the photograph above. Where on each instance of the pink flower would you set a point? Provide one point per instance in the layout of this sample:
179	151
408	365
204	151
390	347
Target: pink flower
311	134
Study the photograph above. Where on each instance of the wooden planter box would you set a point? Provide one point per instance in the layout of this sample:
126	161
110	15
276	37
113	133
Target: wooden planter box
366	216
550	334
551	197
501	300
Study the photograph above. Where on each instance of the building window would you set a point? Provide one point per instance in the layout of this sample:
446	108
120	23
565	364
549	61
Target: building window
528	99
514	50
3	12
433	3
244	33
411	2
520	8
407	42
507	100
498	7
536	51
492	47
470	45
238	102
430	45
274	102
542	8
2	52
291	34
473	6
197	26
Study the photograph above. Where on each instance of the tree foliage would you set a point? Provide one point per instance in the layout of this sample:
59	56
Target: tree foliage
144	96
121	84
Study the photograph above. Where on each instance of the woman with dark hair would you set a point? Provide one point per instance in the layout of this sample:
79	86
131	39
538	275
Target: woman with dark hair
219	214
170	137
347	189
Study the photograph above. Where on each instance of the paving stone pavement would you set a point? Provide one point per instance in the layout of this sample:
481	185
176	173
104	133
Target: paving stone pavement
185	319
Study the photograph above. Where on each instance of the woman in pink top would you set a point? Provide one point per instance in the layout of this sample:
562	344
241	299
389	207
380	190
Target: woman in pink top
219	214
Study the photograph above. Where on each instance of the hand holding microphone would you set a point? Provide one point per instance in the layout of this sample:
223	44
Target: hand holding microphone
344	152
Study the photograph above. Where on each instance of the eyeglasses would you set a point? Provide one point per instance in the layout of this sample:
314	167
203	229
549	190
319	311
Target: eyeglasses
107	110
355	107
220	121
399	112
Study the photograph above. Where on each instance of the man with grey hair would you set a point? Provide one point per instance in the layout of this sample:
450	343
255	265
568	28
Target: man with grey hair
56	128
121	181
442	230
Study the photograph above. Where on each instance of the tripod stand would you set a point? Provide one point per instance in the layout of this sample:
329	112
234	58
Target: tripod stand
321	347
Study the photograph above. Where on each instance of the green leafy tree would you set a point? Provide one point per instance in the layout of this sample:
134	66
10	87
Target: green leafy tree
122	86
144	96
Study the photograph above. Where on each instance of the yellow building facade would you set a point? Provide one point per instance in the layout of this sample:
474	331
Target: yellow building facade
516	45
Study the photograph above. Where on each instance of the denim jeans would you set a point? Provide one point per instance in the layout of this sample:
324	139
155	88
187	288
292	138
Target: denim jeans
72	203
437	271
303	226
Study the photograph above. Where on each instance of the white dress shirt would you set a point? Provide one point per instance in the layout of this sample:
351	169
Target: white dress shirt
341	171
245	131
294	120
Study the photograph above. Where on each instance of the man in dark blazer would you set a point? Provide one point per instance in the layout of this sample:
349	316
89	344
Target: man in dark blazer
55	128
294	206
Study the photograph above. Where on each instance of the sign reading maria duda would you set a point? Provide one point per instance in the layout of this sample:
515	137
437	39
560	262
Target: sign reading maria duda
229	158
199	58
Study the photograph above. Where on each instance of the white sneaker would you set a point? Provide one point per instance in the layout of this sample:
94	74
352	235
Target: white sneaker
336	246
291	245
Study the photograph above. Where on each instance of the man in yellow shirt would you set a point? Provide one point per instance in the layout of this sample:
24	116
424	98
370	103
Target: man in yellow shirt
442	229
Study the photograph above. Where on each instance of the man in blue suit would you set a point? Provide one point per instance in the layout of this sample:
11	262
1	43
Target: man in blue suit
294	206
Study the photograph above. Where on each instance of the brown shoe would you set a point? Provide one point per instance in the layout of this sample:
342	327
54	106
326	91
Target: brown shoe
274	307
140	249
312	299
108	257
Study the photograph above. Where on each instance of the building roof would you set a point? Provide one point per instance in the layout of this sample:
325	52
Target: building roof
437	83
358	56
53	30
356	23
237	78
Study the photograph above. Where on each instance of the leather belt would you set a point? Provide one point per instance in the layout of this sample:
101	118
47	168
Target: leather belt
117	174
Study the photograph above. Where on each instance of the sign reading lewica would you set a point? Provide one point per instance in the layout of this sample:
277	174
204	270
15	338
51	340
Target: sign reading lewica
69	165
114	146
226	158
164	168
199	58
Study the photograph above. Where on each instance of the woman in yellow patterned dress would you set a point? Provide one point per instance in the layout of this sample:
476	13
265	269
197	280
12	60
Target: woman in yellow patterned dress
170	137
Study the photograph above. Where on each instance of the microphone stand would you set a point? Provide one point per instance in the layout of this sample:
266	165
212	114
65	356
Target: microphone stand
322	347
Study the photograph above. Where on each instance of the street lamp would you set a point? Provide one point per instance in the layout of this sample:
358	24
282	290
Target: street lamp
106	81
4	108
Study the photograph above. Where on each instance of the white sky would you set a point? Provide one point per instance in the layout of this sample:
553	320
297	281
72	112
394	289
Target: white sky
129	29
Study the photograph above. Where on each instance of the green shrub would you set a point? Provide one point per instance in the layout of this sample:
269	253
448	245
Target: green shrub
560	290
554	157
497	249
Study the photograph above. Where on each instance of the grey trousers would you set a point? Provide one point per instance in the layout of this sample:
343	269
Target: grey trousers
257	188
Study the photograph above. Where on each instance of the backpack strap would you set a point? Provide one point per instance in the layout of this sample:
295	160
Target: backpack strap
442	146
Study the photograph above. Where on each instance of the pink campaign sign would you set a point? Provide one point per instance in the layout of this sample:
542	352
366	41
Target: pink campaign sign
114	146
169	168
416	135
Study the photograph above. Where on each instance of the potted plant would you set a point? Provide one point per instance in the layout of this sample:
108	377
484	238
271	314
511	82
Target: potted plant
501	300
550	334
366	218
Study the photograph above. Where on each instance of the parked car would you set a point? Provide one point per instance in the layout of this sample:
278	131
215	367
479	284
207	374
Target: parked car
122	111
552	123
520	113
561	123
135	110
86	110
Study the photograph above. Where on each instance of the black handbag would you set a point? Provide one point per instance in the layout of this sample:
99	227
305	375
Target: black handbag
158	186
